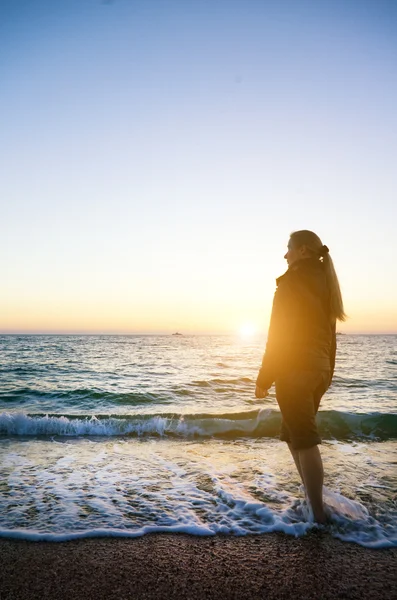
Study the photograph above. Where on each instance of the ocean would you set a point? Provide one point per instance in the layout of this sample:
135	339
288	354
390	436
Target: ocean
127	435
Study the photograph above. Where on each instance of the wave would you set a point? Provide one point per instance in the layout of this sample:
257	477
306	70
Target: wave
218	380
106	398
350	382
77	395
252	424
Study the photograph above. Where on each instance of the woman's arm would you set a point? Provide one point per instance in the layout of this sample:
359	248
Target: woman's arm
279	335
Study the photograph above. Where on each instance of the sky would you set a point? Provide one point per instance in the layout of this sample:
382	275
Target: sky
156	155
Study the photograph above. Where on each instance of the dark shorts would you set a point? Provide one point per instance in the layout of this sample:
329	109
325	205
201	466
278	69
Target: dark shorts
298	395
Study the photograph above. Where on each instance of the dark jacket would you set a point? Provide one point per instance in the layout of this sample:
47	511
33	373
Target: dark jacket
301	332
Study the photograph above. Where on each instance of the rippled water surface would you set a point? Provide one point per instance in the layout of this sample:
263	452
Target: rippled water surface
120	435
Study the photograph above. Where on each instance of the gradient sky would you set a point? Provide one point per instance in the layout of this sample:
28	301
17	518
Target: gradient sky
156	154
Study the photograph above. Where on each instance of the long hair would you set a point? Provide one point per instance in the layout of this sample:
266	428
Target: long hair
316	248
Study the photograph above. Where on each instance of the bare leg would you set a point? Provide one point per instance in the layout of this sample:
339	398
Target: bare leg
313	476
295	456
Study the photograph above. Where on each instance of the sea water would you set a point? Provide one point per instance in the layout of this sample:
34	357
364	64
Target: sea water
125	435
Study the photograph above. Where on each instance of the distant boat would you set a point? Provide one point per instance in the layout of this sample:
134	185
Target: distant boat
340	333
177	333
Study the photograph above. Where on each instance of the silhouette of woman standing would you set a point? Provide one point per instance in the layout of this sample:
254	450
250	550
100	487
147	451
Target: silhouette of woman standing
300	353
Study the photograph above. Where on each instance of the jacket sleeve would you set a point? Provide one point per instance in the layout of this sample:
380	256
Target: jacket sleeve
278	336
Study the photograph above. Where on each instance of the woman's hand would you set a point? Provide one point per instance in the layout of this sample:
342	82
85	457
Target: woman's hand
260	392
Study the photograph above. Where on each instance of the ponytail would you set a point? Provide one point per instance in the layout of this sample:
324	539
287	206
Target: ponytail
316	248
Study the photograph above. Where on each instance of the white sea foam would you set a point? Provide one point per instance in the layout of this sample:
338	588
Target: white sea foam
342	506
18	423
256	423
133	487
257	519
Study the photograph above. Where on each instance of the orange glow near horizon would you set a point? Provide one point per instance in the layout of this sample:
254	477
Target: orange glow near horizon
87	320
199	301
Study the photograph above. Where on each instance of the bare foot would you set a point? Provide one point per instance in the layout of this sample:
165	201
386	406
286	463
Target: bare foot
321	518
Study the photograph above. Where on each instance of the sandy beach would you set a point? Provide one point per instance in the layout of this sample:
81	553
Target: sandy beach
273	566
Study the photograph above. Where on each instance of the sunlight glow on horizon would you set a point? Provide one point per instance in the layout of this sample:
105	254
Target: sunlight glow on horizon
248	330
157	156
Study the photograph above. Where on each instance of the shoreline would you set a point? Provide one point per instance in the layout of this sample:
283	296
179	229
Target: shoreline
271	566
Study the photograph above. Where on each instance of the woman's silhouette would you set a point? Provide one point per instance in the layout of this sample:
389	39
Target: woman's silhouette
300	353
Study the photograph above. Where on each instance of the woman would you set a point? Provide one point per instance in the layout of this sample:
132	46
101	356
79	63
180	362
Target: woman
300	353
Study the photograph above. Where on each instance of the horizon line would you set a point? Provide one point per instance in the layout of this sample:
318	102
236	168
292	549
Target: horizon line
168	333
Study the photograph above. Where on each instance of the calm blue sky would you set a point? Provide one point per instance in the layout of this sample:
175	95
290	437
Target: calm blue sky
156	155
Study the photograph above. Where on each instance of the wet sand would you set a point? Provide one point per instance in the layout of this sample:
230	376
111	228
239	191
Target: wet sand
166	566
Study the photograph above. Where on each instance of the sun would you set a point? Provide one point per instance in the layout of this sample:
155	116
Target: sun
247	330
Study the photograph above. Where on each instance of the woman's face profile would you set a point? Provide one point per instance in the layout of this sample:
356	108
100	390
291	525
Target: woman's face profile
294	254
